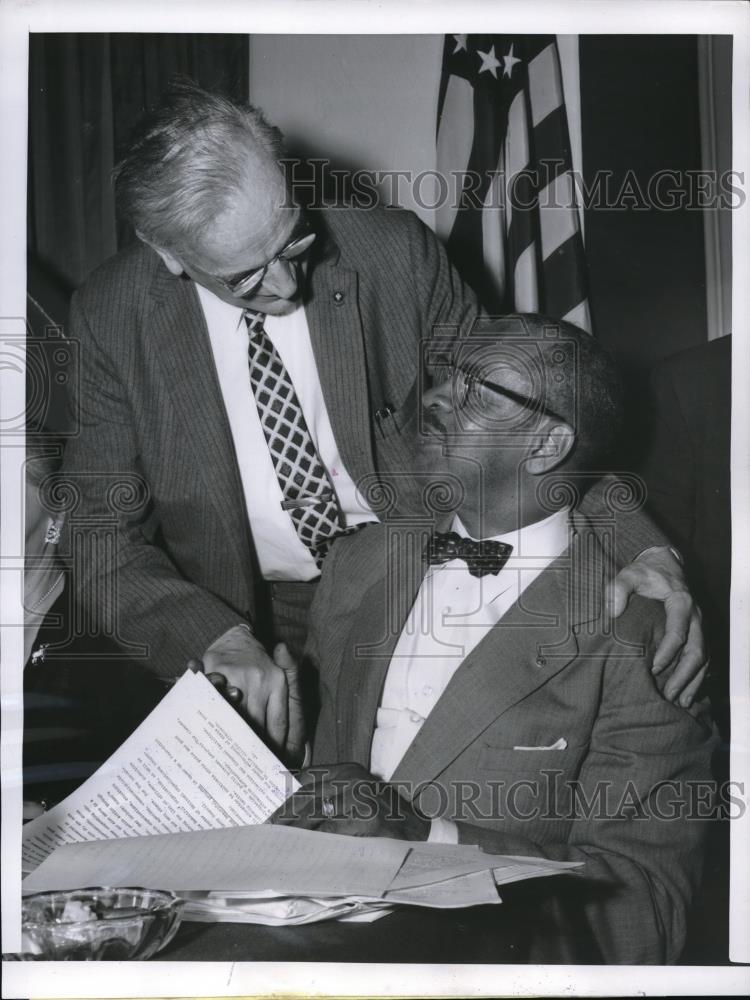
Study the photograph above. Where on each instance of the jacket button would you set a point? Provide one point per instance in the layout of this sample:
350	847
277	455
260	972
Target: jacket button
541	662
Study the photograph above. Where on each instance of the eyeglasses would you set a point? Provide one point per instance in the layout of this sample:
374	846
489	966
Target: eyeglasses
466	383
244	284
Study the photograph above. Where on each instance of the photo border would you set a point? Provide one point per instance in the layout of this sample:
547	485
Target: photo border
18	18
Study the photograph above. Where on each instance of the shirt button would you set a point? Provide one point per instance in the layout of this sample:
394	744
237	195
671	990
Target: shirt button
427	689
415	717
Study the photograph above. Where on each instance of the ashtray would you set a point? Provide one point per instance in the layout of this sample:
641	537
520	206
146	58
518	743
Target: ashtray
96	924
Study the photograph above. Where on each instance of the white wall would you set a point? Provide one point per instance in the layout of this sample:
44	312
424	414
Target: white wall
370	100
364	100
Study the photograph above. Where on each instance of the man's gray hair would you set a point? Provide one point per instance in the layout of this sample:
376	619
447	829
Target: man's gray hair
186	161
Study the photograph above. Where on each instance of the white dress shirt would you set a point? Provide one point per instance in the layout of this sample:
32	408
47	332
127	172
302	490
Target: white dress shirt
281	554
451	614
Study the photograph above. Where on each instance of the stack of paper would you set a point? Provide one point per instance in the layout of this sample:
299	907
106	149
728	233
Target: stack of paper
280	874
182	805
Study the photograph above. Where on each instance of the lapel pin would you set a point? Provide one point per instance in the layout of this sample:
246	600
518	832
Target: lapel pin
338	297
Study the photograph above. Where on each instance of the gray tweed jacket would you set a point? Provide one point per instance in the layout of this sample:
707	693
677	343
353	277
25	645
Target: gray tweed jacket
553	676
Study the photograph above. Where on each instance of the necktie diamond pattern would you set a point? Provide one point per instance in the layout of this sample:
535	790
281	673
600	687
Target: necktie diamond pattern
298	467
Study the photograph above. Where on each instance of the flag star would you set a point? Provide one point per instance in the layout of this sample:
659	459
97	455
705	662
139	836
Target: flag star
460	43
489	61
510	61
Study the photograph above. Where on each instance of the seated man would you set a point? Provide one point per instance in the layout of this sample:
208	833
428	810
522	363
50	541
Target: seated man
487	684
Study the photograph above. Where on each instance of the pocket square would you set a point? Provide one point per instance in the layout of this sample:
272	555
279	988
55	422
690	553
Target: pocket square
561	744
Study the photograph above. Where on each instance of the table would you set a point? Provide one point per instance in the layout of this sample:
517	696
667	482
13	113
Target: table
478	934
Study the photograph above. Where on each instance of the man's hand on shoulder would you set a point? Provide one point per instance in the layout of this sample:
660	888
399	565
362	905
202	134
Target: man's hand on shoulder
265	689
347	799
658	574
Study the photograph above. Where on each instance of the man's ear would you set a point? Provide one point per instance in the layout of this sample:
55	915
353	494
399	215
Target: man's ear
172	263
550	448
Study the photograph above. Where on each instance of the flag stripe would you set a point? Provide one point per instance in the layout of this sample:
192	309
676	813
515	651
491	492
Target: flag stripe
579	315
454	146
493	235
466	241
558	220
545	89
561	277
551	145
517	137
534	45
524	249
525	285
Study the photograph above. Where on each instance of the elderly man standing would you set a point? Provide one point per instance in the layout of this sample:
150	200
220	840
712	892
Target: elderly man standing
245	367
495	702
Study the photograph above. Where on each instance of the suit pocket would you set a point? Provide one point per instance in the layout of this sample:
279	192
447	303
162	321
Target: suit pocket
502	760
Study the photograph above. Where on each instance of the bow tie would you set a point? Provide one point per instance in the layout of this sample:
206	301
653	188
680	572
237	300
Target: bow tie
480	557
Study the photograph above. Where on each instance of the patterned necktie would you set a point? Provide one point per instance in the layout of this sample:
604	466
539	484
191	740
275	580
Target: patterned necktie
481	558
308	493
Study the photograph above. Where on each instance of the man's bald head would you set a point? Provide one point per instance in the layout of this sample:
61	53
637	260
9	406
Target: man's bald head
557	370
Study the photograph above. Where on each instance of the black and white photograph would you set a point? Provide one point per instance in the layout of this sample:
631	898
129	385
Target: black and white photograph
378	372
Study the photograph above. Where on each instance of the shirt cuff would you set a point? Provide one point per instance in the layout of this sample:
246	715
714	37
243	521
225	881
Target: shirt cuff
442	831
670	548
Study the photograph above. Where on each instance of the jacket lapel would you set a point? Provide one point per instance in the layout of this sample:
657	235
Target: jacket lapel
337	340
502	670
372	640
178	328
535	640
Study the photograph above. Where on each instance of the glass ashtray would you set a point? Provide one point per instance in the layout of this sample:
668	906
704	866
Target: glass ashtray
85	925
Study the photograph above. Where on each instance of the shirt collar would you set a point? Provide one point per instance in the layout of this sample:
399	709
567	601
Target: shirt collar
229	317
217	311
547	538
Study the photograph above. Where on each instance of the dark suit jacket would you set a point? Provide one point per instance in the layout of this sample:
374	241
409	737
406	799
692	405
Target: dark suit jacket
687	471
552	668
164	559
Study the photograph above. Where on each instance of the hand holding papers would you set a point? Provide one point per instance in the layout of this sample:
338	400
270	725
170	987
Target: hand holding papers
193	764
347	799
182	805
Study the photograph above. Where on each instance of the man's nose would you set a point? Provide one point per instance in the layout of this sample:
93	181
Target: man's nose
281	279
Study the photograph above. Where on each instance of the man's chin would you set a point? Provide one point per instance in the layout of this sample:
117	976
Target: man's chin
274	307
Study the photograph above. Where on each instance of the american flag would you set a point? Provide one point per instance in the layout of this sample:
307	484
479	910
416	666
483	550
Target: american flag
512	227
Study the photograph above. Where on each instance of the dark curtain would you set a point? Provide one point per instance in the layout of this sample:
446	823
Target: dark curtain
85	94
